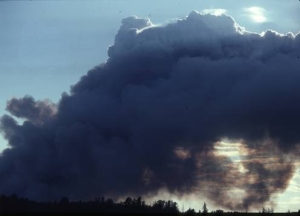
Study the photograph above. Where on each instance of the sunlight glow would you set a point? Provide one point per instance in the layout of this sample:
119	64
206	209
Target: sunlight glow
235	151
257	14
291	195
232	151
216	12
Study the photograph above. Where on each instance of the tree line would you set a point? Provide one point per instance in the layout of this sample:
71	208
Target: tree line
99	204
106	205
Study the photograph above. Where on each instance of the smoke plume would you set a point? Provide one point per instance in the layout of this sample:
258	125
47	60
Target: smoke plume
150	117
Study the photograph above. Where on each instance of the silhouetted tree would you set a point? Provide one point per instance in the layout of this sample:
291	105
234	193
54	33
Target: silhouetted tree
139	201
219	212
190	211
171	207
128	201
159	205
204	209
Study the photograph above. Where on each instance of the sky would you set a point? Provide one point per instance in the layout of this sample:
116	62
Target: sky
47	46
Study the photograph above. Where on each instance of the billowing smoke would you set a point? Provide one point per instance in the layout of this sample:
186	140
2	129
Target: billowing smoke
150	118
34	111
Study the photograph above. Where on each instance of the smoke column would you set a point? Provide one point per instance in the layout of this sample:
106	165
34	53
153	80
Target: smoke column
151	116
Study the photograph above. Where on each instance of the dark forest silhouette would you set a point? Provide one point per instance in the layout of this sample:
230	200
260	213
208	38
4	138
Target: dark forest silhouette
101	204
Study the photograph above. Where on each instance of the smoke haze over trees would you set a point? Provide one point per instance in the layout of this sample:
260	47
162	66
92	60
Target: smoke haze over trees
149	118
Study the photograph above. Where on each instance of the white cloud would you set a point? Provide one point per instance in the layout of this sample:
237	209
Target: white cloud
256	14
216	12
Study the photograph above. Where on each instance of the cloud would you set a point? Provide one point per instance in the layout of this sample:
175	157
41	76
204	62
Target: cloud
256	14
149	118
37	112
216	12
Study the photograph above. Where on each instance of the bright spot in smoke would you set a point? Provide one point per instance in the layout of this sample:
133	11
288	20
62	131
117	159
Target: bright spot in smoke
232	151
182	153
256	14
216	12
291	196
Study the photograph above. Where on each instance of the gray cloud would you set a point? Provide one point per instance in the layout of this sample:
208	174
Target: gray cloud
34	111
182	86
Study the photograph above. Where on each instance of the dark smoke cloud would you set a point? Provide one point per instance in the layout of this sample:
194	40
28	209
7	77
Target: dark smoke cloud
35	111
149	118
